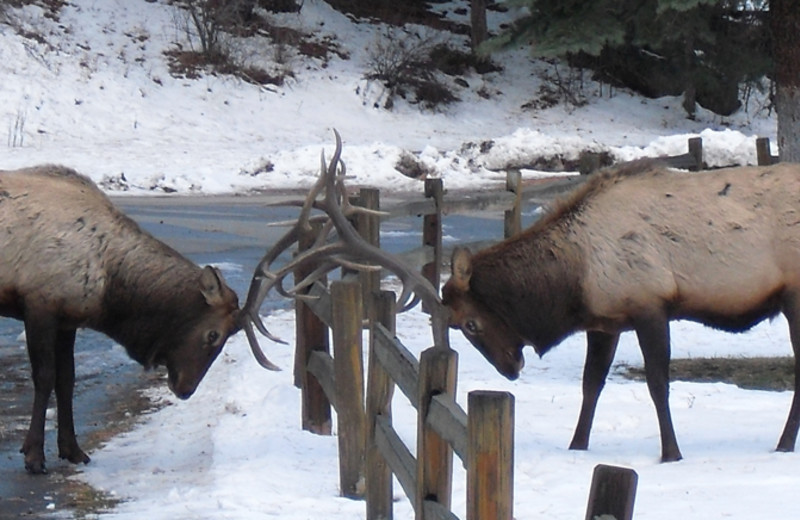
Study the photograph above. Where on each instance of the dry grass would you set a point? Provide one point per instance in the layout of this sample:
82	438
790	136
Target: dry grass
765	373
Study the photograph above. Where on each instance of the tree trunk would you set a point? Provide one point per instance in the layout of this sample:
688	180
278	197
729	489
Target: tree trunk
787	106
478	22
785	28
690	89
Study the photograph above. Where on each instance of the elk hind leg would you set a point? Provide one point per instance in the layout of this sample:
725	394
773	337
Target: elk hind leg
653	334
65	383
788	438
600	350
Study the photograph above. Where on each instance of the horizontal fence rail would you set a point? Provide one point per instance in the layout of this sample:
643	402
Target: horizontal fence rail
482	438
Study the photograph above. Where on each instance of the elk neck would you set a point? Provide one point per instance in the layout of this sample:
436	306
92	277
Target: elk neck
533	282
151	289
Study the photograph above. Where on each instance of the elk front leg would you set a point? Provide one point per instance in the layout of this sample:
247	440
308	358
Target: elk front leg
65	383
600	350
41	338
653	334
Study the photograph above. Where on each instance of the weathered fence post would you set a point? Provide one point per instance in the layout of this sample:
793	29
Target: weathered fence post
369	227
432	233
696	151
513	216
379	404
612	493
437	374
490	455
764	155
347	312
312	335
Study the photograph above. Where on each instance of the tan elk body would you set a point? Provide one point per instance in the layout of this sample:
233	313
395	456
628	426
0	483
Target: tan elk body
633	249
69	259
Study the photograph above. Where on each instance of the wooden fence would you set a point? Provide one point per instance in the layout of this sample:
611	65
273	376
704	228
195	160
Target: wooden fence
693	159
370	450
483	437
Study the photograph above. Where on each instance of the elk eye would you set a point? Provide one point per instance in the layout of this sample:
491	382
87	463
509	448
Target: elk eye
471	327
212	337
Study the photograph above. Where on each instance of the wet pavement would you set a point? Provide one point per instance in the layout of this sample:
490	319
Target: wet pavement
108	397
107	401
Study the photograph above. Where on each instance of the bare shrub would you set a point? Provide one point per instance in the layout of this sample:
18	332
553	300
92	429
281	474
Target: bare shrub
402	63
454	62
210	21
221	28
202	21
560	88
16	130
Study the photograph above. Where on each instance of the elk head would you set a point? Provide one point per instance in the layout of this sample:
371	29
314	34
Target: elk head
350	250
481	325
190	348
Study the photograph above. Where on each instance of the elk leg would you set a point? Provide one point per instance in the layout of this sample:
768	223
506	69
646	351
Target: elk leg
40	336
654	341
600	351
789	436
65	383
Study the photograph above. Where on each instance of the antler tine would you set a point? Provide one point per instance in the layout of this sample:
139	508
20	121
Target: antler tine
257	352
263	280
328	253
284	223
413	281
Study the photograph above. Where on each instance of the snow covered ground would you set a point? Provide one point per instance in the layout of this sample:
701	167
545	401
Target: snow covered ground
97	96
235	449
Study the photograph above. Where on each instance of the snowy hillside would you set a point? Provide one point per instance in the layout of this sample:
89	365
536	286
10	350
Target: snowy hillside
93	90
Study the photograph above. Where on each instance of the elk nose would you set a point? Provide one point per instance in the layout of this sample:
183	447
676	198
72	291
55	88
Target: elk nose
516	361
181	391
183	395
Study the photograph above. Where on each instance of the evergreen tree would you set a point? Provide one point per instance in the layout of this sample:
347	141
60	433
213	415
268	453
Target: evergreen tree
702	48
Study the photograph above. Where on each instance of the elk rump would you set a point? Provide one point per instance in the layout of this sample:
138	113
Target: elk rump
70	259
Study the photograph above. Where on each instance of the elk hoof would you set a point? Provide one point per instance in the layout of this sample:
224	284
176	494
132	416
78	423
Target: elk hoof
579	444
34	459
35	467
787	442
673	457
74	454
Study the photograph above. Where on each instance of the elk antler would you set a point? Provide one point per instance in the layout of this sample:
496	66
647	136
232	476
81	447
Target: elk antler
350	250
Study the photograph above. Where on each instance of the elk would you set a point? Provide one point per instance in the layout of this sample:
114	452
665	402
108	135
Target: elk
70	259
631	250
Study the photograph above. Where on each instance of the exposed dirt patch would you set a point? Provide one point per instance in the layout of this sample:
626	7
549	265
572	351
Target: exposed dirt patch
765	373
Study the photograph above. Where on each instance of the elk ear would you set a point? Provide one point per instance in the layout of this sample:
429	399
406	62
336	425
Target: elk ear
461	267
211	285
